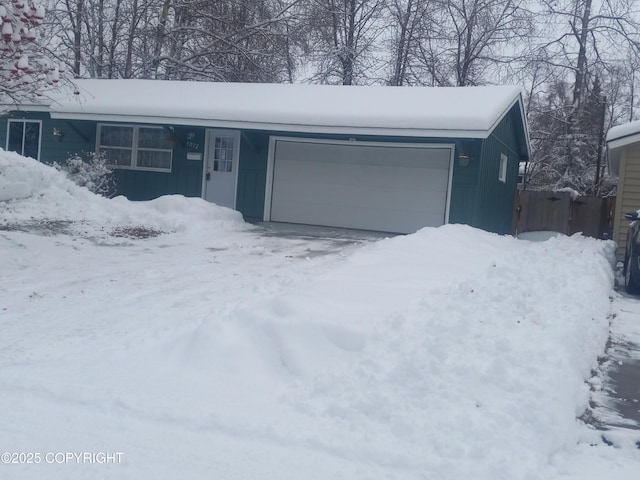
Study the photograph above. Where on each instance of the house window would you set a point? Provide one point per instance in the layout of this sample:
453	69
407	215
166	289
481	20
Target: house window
23	137
502	173
141	148
223	154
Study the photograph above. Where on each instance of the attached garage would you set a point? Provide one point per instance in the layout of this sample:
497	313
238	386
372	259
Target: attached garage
390	187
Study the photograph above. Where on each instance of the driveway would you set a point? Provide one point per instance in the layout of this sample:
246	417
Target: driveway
320	240
279	352
617	389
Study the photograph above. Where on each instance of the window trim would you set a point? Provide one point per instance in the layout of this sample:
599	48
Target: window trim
502	169
134	147
24	120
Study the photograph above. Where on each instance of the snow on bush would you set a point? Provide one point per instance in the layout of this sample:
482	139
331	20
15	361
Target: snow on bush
89	170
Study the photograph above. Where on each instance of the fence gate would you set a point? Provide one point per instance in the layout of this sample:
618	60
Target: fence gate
559	212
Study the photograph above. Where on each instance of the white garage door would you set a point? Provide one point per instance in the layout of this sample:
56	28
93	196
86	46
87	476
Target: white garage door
386	187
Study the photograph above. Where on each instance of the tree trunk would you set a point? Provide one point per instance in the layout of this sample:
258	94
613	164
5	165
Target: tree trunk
114	40
76	17
349	54
400	64
100	56
159	40
128	65
582	36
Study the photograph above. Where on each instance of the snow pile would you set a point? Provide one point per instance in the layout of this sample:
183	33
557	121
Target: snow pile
22	178
451	353
32	192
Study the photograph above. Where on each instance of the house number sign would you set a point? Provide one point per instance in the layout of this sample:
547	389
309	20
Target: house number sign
191	141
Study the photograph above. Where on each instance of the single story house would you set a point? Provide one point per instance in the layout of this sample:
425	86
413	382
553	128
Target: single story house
623	156
390	159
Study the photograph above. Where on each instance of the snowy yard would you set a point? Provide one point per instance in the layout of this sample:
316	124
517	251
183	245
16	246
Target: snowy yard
214	350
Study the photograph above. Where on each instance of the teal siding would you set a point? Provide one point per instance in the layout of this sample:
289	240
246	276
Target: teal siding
185	177
79	136
477	198
495	198
464	184
252	174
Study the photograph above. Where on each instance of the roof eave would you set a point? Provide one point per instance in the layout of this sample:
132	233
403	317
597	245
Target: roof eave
614	151
25	108
623	141
523	119
273	126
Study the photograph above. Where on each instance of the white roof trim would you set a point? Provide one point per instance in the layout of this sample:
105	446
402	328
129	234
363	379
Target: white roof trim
623	130
25	108
616	143
623	141
281	127
523	118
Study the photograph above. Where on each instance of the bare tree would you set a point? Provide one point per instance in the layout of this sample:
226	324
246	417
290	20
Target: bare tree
195	39
75	11
233	40
591	37
342	38
410	20
586	62
473	37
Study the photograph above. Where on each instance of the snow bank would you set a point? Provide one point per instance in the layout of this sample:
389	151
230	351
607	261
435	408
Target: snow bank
451	353
32	192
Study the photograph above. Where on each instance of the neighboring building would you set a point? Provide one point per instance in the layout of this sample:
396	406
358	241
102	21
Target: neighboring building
623	154
390	159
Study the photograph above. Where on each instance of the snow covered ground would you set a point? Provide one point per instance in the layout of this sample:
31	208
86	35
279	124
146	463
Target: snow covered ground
214	350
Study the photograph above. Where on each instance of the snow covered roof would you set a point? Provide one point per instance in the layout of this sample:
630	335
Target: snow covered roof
618	137
461	112
624	130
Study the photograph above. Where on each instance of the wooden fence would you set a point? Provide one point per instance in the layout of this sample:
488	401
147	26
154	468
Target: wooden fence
558	212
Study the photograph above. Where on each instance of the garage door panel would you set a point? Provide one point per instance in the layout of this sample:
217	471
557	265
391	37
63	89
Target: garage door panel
351	175
357	154
362	218
394	188
360	196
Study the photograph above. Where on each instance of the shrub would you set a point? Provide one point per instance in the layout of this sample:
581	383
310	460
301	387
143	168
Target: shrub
90	170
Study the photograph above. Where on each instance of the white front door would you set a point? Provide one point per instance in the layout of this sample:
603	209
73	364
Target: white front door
221	167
